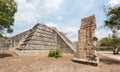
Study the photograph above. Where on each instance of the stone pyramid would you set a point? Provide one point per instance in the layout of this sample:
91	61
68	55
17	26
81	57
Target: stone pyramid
41	39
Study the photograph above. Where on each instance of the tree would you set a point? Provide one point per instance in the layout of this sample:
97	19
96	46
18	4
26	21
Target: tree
113	41
113	18
113	23
8	8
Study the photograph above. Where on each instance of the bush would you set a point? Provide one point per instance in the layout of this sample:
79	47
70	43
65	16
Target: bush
55	53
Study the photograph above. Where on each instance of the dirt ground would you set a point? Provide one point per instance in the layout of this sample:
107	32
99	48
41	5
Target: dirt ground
12	63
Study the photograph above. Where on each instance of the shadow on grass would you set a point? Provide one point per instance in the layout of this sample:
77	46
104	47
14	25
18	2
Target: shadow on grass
3	55
109	61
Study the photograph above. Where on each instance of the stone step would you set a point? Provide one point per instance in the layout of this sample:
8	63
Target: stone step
34	47
40	36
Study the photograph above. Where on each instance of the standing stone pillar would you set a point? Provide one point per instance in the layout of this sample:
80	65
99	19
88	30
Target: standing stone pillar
86	51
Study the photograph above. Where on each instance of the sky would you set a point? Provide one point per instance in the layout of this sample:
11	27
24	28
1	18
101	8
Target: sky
65	15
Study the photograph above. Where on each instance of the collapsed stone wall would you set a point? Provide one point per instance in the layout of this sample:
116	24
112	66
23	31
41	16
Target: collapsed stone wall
9	44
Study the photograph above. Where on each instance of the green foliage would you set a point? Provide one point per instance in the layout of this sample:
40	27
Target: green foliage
55	53
113	18
111	41
8	8
105	42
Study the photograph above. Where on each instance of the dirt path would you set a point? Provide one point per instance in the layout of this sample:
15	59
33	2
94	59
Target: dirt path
110	55
45	64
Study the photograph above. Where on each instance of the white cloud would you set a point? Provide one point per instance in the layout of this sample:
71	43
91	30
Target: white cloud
51	24
89	5
114	2
70	29
86	5
59	17
52	4
33	10
25	17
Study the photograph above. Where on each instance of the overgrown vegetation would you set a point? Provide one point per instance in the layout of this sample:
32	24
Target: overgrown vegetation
55	53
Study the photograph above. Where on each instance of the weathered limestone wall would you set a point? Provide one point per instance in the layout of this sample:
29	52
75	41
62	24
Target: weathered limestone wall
63	42
9	44
87	32
4	45
18	39
87	44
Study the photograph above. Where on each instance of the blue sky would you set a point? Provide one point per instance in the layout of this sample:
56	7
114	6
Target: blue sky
65	15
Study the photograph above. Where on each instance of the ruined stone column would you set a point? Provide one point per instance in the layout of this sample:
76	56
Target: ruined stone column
86	51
